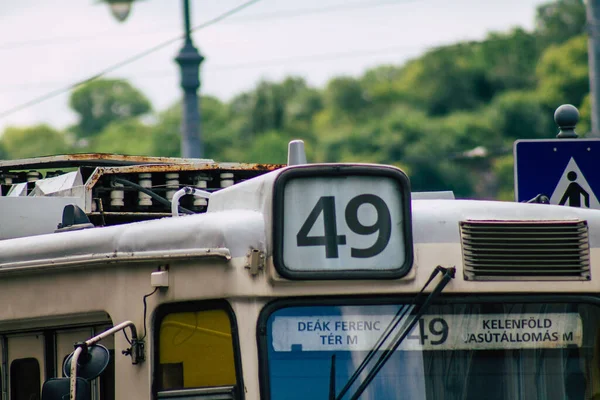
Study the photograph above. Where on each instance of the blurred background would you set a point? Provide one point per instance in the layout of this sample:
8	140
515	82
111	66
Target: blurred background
440	89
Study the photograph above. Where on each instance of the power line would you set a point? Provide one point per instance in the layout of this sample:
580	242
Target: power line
249	18
281	61
323	10
126	61
316	57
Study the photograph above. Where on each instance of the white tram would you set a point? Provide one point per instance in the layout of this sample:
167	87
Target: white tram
322	281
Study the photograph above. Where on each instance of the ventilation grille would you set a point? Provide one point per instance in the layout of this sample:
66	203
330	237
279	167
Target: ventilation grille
518	250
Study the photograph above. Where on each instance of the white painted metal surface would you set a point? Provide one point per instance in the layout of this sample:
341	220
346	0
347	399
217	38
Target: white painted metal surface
29	216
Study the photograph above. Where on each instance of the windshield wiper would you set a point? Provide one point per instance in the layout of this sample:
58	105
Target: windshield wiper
448	274
332	379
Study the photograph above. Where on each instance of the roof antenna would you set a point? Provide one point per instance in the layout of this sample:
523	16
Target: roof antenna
296	153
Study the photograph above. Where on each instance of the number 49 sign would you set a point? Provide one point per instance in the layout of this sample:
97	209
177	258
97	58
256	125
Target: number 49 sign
342	221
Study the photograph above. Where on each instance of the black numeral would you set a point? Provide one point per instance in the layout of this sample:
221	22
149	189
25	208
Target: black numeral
422	335
441	331
383	225
331	240
438	327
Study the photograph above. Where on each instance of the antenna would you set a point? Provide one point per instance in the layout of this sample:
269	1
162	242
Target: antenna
296	153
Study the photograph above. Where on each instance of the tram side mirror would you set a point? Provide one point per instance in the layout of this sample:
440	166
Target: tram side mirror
59	389
91	363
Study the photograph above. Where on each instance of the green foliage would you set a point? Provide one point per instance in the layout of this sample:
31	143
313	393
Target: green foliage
504	171
217	136
103	101
35	141
270	148
124	137
509	59
445	80
585	113
377	83
563	73
558	21
345	97
3	153
469	130
519	115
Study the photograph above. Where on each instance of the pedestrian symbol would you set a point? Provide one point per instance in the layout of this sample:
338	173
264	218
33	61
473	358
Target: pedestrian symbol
574	193
573	189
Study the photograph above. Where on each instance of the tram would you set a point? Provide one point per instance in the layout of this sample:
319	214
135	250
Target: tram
156	278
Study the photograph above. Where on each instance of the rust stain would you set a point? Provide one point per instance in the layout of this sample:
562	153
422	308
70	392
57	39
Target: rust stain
94	160
190	167
115	163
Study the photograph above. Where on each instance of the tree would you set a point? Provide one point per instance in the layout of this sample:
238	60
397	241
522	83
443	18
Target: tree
35	141
560	20
285	107
124	137
509	59
104	101
217	133
521	115
585	121
431	155
270	148
303	106
445	80
503	168
345	96
378	83
563	73
352	143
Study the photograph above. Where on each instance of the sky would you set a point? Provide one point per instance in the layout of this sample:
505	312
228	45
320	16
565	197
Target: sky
48	45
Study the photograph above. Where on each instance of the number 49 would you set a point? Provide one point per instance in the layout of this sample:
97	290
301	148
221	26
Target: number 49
331	240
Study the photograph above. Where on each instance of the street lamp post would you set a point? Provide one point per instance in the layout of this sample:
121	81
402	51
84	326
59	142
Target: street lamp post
189	60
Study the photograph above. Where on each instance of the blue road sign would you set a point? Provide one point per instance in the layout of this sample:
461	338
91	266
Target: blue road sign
565	170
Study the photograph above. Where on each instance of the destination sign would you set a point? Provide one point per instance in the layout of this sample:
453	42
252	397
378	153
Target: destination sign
342	222
432	332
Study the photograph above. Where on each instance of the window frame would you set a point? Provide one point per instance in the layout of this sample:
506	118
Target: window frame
463	298
164	310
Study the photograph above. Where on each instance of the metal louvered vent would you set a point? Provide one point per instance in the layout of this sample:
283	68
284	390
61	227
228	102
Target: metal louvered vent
525	250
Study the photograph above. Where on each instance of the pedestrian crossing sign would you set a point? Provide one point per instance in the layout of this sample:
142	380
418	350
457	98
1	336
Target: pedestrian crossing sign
567	171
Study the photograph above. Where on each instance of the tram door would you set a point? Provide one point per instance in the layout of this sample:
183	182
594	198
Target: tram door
25	363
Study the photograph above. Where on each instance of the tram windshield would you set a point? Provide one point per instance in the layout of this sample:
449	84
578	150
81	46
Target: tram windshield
487	350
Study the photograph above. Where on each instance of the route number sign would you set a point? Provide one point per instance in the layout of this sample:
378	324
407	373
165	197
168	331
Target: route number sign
342	222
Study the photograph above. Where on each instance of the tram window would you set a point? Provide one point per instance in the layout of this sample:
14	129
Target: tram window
196	350
25	379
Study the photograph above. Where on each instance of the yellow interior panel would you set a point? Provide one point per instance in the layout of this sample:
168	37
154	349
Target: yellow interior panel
196	350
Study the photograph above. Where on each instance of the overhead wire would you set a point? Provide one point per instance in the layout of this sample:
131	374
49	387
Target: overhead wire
321	10
219	18
129	60
248	18
281	61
